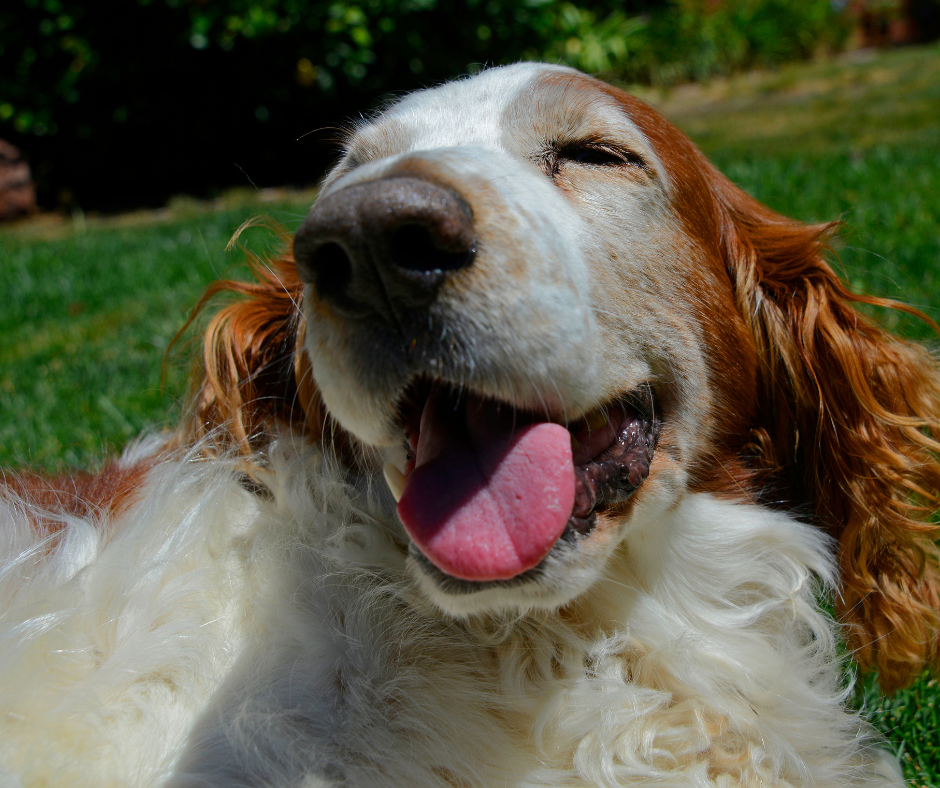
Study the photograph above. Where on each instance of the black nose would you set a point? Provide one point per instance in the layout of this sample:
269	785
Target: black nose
384	247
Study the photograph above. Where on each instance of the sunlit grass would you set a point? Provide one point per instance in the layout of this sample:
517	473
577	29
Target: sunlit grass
87	316
911	722
854	103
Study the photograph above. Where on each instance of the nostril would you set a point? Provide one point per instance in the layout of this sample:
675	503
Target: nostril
332	270
384	248
414	247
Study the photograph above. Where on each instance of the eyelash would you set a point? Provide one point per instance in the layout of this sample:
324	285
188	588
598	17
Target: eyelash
591	154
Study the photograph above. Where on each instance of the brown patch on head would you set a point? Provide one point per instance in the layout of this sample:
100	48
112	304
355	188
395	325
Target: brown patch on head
702	287
729	347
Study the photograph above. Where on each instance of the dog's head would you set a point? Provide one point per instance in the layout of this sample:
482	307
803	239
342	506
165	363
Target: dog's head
554	319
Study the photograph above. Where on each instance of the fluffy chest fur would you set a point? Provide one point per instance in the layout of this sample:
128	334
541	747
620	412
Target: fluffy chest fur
280	642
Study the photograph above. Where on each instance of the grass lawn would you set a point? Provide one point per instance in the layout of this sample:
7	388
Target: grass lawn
89	306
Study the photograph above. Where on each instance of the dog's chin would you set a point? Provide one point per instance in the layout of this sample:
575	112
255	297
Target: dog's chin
564	574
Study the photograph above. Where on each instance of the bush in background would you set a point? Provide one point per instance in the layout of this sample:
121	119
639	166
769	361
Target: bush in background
122	103
119	103
698	39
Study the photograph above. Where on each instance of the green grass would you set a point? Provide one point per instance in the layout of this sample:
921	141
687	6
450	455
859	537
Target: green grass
853	103
88	310
911	722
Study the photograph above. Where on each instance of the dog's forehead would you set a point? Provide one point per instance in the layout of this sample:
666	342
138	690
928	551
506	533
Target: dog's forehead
501	108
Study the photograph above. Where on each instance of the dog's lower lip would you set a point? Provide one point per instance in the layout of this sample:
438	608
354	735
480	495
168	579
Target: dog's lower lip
612	449
615	473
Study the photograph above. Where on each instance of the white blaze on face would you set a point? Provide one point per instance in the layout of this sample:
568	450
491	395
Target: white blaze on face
584	285
522	313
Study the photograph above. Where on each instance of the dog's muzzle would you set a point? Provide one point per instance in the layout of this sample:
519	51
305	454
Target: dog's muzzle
384	247
399	287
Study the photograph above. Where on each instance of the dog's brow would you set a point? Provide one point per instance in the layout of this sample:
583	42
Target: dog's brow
563	108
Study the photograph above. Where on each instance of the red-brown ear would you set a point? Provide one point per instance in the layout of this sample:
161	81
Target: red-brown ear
254	371
853	414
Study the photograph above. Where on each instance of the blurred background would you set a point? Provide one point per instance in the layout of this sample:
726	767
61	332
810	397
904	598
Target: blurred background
118	104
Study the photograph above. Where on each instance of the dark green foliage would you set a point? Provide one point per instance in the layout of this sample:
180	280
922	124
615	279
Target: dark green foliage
697	39
121	103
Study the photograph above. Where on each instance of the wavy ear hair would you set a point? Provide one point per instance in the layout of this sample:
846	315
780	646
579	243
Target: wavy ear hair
253	372
852	414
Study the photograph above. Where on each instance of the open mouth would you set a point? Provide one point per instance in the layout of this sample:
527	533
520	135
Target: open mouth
488	490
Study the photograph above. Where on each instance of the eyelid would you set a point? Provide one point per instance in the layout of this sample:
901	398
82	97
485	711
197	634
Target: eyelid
579	152
616	154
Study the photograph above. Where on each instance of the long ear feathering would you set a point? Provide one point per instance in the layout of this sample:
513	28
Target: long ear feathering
854	413
253	371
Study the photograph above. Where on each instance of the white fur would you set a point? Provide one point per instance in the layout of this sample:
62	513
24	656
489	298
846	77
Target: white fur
210	638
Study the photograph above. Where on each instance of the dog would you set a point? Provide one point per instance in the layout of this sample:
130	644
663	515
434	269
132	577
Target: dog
531	465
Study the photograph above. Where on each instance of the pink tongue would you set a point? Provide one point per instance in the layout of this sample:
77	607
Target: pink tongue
487	498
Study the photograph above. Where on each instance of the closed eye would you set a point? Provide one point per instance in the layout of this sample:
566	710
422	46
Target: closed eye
591	154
